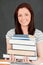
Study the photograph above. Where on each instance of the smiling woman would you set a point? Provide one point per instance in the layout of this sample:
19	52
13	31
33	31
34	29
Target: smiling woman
24	18
24	24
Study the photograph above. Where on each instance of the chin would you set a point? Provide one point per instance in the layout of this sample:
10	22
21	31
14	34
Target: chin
25	25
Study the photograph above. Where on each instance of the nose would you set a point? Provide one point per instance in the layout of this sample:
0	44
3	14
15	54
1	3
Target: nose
23	17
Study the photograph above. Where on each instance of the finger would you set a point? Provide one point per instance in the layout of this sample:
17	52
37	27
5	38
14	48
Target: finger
10	58
27	60
23	60
14	59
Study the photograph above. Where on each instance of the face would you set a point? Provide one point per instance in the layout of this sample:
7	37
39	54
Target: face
24	16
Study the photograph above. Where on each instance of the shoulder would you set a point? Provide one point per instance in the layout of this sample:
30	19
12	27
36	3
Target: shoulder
38	32
39	35
10	33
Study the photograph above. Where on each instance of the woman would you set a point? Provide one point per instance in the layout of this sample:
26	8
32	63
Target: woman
24	24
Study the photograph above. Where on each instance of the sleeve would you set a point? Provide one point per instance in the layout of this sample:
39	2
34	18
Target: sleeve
40	36
10	33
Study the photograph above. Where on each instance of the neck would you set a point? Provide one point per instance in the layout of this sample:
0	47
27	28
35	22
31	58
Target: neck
24	29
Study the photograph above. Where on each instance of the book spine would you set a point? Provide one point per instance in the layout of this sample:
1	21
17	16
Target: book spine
20	57
26	42
20	38
30	58
24	47
24	53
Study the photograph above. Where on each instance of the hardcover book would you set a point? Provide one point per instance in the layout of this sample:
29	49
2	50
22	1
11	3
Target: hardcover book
23	45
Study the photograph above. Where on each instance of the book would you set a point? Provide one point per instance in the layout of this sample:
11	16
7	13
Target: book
24	47
23	37
6	56
30	58
20	57
26	42
20	52
20	37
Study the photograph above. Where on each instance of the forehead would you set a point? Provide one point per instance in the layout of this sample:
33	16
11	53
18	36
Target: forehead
23	10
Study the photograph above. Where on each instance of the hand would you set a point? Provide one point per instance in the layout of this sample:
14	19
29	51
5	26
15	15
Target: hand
26	60
12	58
39	61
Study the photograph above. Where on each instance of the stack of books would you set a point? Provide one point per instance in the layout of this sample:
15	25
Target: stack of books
23	45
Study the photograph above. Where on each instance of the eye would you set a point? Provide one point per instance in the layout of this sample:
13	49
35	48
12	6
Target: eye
26	14
19	15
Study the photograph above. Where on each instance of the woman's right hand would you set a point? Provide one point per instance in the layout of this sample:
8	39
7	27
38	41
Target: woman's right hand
12	58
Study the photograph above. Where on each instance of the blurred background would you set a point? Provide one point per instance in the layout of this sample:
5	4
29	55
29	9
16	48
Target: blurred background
7	8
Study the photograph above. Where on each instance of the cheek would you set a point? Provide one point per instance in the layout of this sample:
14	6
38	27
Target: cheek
19	19
29	18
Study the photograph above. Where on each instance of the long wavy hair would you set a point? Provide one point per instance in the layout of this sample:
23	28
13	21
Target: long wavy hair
31	27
